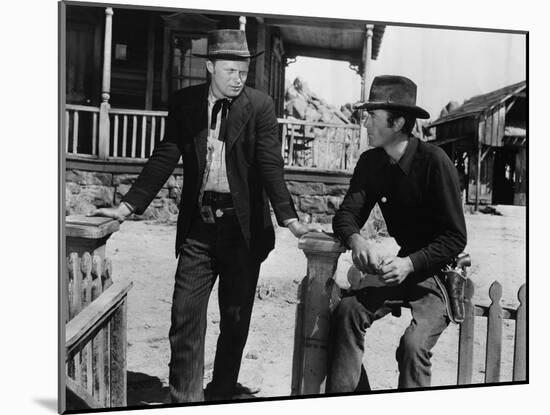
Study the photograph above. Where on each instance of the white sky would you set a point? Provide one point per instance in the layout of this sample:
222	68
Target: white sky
445	64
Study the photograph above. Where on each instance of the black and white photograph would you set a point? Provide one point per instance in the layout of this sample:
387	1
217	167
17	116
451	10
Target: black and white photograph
259	206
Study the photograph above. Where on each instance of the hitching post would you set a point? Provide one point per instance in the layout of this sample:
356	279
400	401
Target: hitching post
310	361
88	234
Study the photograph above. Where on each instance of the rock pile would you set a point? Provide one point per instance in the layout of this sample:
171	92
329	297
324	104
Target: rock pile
303	104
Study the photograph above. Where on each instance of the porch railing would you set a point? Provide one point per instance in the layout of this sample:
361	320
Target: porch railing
133	134
81	129
319	145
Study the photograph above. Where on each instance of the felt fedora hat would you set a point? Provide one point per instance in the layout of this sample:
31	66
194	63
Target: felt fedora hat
227	44
391	92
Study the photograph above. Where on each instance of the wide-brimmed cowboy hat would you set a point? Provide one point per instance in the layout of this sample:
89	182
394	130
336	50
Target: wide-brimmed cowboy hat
227	44
391	92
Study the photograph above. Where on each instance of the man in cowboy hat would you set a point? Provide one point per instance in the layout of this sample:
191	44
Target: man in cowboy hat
228	137
416	186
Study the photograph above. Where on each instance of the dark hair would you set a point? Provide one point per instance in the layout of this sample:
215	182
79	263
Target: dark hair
410	120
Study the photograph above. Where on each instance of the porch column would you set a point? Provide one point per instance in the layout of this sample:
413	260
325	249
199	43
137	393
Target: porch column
313	312
478	175
242	23
367	54
103	145
260	60
365	78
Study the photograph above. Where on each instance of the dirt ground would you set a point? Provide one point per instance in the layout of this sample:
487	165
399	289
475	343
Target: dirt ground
142	252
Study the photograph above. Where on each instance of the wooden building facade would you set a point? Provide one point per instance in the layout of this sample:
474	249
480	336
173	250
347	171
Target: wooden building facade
122	64
486	137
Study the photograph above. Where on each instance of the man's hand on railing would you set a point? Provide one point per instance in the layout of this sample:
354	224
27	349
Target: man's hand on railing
298	228
120	213
364	254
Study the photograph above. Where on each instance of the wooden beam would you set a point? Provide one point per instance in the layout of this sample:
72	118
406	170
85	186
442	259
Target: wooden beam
260	60
352	56
150	63
88	320
350	26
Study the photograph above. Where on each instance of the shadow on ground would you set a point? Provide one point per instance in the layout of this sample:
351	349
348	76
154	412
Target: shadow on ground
145	390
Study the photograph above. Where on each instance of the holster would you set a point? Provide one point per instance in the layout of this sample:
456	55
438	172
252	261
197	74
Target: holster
452	281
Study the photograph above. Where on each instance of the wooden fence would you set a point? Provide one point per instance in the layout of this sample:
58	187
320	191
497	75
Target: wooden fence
319	145
95	334
495	315
318	294
94	308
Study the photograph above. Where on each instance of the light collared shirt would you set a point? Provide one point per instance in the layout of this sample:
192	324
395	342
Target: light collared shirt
217	175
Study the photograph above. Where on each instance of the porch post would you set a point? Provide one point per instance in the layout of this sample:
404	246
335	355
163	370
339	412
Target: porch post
367	54
478	175
242	23
260	60
311	336
103	147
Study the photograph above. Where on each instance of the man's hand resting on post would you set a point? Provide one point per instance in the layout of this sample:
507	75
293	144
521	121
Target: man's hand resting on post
120	213
394	270
298	228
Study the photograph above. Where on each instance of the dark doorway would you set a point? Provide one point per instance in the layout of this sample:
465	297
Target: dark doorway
503	176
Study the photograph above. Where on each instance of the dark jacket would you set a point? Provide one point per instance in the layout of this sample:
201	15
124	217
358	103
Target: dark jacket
419	198
253	159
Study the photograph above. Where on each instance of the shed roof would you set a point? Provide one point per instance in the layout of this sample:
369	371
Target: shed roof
481	103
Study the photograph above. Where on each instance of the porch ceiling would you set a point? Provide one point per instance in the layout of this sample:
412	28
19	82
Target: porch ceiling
325	38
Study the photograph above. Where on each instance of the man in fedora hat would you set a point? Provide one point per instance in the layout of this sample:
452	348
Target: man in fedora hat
228	137
417	188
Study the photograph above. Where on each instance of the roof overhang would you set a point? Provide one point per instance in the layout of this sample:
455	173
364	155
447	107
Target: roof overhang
326	38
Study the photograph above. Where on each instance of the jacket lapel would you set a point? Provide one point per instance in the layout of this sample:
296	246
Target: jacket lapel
239	114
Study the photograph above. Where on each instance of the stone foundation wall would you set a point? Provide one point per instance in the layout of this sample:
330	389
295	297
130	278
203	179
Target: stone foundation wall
315	201
86	190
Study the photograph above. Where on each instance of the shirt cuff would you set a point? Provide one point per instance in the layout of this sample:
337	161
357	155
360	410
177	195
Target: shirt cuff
287	222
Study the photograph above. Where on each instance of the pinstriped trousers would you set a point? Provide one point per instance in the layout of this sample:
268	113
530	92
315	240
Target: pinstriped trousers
210	250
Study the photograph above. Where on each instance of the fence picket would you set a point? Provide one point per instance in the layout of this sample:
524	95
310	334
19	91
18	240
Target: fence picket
284	143
143	135
134	134
107	273
98	342
94	133
75	307
115	137
75	132
67	123
124	134
291	146
466	338
86	352
520	345
152	143
494	335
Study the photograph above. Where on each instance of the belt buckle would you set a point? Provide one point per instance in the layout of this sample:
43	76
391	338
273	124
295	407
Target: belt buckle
219	213
207	215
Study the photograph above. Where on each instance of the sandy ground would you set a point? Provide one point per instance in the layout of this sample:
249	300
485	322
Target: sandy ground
142	252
